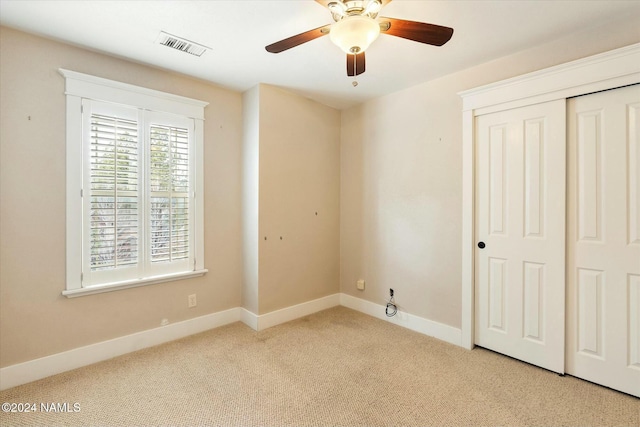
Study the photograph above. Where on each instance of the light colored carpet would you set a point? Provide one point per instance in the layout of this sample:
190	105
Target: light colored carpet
334	368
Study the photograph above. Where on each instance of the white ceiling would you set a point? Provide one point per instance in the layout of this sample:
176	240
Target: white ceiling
238	30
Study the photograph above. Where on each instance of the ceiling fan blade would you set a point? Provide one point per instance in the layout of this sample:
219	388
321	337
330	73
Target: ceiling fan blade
355	64
417	31
298	39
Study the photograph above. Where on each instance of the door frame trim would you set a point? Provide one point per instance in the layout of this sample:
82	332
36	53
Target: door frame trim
609	70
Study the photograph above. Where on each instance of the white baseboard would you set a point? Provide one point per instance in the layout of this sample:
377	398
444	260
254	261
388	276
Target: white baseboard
264	321
249	319
415	323
36	369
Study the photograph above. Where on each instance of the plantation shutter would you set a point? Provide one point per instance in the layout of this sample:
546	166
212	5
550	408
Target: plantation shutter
169	170
138	198
114	175
112	193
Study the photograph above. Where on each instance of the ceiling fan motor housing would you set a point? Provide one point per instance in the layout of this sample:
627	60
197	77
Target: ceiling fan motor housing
342	8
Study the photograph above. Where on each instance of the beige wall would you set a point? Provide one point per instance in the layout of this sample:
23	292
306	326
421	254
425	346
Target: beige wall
401	179
250	187
286	146
35	319
299	146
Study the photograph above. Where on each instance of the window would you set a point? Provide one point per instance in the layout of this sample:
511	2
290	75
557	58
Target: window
134	186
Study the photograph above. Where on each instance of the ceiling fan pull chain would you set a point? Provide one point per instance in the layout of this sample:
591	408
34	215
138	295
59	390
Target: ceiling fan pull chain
355	82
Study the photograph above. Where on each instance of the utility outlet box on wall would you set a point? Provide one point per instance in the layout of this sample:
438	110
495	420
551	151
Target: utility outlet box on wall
360	284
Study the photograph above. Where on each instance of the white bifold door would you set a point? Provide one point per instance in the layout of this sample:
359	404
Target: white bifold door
603	244
520	233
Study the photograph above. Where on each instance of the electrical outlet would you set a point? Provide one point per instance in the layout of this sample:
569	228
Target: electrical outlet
192	301
391	292
360	285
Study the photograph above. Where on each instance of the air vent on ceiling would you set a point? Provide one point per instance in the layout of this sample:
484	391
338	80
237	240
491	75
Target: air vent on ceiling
181	44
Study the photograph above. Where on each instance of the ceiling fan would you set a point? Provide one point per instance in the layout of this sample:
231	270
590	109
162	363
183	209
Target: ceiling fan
357	25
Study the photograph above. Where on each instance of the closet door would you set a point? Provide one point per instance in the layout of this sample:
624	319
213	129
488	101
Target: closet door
520	233
603	240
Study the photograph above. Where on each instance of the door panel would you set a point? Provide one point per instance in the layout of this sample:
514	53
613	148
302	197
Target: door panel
534	178
634	323
497	275
590	302
603	250
520	198
533	301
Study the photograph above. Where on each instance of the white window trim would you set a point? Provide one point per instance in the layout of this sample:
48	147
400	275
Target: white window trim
79	86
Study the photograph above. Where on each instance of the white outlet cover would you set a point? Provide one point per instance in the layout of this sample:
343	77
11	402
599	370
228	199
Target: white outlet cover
192	301
360	284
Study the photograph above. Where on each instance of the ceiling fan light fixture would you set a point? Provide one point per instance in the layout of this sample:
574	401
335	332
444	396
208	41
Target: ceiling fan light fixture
338	8
372	7
353	34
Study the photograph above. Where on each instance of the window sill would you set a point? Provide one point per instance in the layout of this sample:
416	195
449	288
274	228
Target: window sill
110	287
